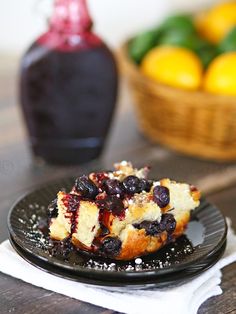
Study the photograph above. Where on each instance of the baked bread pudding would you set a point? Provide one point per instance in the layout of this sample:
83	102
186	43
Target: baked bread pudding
121	214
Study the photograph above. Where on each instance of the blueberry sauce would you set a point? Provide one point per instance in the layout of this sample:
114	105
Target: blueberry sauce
112	204
72	203
99	178
105	218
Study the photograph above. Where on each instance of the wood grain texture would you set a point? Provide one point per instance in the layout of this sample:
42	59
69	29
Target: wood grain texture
18	173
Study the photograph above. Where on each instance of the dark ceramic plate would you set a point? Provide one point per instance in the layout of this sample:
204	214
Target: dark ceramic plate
200	247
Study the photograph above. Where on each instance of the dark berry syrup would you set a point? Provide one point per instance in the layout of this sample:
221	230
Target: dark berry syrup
68	87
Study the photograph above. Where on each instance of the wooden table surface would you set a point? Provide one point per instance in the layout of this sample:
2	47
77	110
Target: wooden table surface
18	173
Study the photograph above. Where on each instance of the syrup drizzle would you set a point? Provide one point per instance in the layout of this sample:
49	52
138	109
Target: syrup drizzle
72	203
99	178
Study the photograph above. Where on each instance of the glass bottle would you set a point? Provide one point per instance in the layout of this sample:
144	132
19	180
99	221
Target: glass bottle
68	87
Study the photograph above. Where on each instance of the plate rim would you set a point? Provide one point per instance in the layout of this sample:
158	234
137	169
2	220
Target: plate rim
152	283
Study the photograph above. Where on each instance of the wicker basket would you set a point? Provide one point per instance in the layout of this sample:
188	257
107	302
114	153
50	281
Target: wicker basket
193	122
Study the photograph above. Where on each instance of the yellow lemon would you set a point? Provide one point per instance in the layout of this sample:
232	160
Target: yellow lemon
220	77
217	22
174	66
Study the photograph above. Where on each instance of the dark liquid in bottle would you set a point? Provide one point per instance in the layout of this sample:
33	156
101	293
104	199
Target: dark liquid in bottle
68	99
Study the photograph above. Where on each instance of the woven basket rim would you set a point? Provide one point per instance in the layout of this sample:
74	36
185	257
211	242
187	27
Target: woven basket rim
203	96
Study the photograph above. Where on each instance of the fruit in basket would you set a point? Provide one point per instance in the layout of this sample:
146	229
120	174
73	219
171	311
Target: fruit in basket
180	23
229	42
205	50
217	21
142	43
177	52
178	31
174	66
181	39
220	77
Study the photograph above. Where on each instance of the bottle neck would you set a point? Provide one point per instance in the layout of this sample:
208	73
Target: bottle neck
70	27
71	17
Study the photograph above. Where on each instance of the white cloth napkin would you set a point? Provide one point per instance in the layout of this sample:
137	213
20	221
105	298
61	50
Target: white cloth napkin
184	299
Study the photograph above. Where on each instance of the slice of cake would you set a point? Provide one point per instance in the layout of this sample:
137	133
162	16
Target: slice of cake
121	214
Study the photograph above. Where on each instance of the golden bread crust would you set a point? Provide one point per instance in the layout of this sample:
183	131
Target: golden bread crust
137	243
181	224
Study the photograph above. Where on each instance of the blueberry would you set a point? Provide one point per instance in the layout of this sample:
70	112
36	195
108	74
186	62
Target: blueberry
112	204
113	187
151	227
161	196
52	209
132	185
111	246
86	187
168	221
145	185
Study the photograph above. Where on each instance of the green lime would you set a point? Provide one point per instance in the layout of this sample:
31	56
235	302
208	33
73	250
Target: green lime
180	23
176	38
205	50
142	43
207	54
229	42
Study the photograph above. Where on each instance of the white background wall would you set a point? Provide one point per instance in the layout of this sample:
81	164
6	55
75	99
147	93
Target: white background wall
22	20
